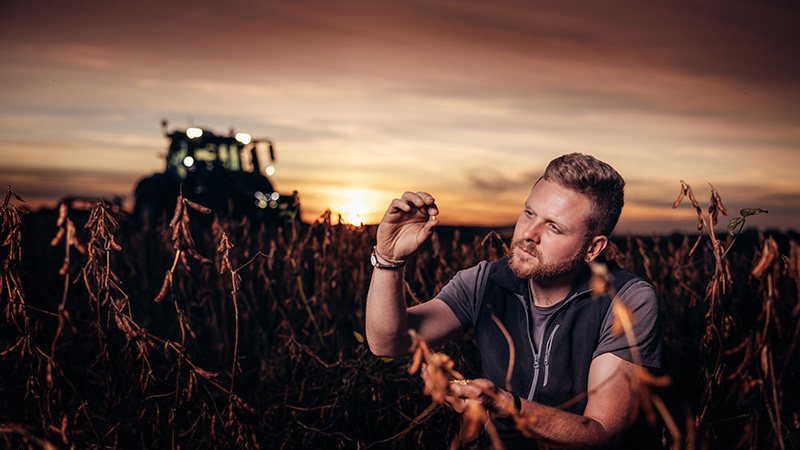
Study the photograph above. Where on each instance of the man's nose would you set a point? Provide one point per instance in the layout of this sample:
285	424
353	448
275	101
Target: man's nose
532	232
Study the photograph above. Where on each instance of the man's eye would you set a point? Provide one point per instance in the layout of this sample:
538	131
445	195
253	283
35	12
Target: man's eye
554	228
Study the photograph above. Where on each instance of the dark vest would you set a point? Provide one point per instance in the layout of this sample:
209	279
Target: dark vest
559	372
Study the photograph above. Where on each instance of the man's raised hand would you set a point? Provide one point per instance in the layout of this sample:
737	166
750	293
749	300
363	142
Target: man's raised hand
406	225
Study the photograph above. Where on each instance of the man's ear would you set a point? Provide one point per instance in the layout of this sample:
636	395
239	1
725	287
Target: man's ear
596	247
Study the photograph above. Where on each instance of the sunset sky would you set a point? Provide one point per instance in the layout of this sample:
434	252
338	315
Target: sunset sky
467	100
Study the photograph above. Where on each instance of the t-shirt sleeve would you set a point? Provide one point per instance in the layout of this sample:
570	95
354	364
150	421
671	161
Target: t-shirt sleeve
462	293
641	300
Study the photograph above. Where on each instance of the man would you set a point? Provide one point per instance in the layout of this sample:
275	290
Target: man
571	371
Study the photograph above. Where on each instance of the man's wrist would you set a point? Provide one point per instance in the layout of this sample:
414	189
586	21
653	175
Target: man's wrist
517	403
380	261
509	406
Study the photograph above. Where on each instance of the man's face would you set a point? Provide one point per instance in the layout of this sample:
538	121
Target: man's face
550	238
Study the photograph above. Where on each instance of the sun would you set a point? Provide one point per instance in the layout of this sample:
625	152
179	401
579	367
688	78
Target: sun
354	212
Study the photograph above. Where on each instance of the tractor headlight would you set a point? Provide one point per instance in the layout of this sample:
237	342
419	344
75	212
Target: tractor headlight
261	200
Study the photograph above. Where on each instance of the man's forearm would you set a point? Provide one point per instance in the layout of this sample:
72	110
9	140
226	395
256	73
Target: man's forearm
386	315
551	426
561	429
610	408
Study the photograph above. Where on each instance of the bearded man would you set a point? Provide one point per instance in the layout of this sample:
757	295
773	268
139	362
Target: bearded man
571	371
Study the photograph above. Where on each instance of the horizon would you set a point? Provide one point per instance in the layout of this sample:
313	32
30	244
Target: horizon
503	230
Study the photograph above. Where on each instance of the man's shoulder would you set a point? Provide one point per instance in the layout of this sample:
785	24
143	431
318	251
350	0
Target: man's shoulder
464	291
483	269
632	289
640	298
471	282
624	278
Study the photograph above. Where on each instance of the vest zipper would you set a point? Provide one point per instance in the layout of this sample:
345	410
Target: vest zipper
535	355
547	355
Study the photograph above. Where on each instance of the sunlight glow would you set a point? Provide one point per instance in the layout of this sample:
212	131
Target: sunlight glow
354	212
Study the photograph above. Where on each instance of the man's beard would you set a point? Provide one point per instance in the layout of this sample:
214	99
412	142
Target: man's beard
541	270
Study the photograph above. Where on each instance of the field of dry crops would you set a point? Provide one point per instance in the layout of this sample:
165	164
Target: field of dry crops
234	335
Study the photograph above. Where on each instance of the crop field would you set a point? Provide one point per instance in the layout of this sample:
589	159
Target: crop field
192	335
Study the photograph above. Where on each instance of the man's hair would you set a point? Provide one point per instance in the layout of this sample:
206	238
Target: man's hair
595	179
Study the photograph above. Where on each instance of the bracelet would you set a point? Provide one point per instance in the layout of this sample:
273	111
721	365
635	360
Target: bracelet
392	264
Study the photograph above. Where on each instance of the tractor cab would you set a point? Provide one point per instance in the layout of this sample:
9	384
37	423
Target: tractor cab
221	172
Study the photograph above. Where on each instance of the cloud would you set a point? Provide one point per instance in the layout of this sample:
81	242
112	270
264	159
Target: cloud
495	181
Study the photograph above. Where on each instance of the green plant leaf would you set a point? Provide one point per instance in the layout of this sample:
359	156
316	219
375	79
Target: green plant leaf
734	222
752	211
359	337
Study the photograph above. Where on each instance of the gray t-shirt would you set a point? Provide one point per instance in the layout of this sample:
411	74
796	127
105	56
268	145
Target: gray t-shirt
539	316
465	290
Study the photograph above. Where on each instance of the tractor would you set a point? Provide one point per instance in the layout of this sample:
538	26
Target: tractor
222	173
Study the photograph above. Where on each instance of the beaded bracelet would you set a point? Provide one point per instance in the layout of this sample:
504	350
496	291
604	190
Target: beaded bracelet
392	263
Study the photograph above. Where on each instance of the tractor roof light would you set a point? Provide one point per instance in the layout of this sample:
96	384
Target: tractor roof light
194	132
244	138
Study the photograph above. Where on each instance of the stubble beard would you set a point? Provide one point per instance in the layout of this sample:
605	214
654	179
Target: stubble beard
541	270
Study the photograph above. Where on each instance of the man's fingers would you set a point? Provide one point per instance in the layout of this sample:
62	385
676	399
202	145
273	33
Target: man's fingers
422	201
430	225
463	389
418	198
399	204
426	203
457	404
471	388
425	198
429	203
